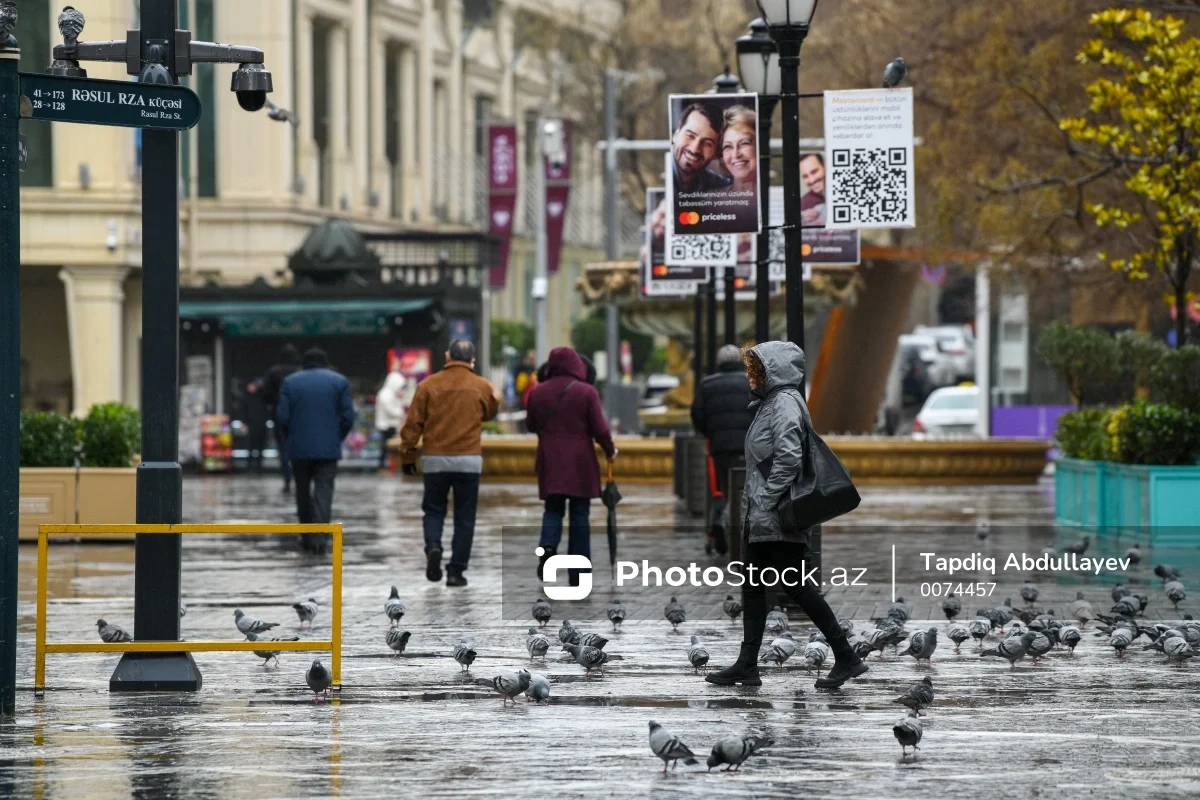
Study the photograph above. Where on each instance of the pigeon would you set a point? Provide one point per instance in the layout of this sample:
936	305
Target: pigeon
921	645
982	529
1012	649
464	654
958	633
1029	593
1078	548
8	19
782	648
318	679
777	621
1120	639
182	610
1127	606
859	644
1118	591
306	610
539	688
1081	609
592	640
846	625
70	25
589	658
734	750
267	655
1175	592
908	733
697	654
393	607
673	611
898	611
1134	554
1178	650
567	633
247	624
951	606
112	634
668	747
510	684
1070	636
1041	644
1167	572
980	627
815	654
1005	611
731	607
616	614
398	640
894	73
1159	643
537	644
281	114
541	612
919	695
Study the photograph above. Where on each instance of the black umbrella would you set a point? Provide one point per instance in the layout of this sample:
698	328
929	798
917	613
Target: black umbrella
610	497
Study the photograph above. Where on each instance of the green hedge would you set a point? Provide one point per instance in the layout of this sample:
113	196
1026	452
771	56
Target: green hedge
1132	433
109	436
48	439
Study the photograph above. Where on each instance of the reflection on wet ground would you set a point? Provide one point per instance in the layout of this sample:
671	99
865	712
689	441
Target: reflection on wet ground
1091	724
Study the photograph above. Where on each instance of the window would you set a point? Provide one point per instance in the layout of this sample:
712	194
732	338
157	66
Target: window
955	402
532	147
483	117
33	33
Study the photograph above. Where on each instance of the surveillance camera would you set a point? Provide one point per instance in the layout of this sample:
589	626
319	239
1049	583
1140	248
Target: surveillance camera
251	83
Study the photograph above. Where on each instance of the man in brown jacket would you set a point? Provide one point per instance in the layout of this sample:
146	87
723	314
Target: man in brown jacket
446	418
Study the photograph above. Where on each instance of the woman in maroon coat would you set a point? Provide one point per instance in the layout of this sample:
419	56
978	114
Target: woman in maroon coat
564	411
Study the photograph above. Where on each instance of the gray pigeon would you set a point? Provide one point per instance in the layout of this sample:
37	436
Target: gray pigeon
589	658
899	611
511	684
951	606
1134	554
307	610
696	654
112	634
668	747
1081	610
894	73
731	607
958	633
247	624
281	114
539	688
908	732
674	613
982	529
542	611
815	655
1040	645
464	654
917	696
777	621
8	19
980	627
267	655
921	645
318	679
592	640
70	25
846	625
616	613
1004	612
1013	649
1127	606
182	610
567	634
782	648
1178	650
1118	591
1079	547
1167	572
393	607
1175	592
1070	636
397	640
537	644
1029	593
734	750
1120	639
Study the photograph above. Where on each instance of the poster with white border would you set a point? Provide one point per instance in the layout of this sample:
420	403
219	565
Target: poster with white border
869	159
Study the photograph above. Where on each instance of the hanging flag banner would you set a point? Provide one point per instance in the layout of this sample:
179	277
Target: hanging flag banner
502	195
869	152
660	279
712	175
558	191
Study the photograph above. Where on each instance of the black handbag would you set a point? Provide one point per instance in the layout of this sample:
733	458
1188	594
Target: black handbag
822	491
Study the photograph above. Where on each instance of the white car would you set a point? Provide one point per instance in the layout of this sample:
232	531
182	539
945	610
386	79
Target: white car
952	411
938	365
957	342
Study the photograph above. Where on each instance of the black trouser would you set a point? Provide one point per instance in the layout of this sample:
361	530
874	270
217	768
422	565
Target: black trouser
435	505
314	489
722	463
782	556
387	435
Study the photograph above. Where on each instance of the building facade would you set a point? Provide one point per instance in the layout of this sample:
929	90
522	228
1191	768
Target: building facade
390	101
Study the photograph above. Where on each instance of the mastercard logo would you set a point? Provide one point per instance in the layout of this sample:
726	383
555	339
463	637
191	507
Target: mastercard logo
806	249
689	218
660	270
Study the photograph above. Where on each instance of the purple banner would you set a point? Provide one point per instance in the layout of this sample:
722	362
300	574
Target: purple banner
502	195
558	191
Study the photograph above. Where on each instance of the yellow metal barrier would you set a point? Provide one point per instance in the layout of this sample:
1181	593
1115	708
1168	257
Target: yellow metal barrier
333	645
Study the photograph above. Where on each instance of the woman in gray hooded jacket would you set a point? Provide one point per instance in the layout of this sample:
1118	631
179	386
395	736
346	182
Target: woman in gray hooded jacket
774	450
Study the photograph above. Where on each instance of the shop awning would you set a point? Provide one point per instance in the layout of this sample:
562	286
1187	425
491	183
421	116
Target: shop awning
303	317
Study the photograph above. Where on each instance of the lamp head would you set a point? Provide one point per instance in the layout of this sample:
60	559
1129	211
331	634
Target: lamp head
787	17
252	84
758	60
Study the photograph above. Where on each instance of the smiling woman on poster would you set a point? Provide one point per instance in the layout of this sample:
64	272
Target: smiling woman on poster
739	157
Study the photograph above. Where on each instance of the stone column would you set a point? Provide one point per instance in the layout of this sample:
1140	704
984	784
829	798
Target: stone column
306	161
460	171
362	112
412	130
381	179
506	102
344	184
425	111
95	322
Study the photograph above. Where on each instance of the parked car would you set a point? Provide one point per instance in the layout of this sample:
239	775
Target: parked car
937	364
915	383
958	343
950	411
657	386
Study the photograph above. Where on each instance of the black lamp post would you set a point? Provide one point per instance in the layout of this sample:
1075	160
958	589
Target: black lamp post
788	23
725	83
758	63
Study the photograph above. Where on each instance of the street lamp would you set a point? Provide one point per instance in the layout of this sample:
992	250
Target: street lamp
788	24
725	83
758	63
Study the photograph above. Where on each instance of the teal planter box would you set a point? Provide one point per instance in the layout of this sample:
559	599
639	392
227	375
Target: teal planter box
1079	493
1130	498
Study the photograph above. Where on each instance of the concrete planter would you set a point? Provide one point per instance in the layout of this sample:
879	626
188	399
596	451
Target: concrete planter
1161	503
65	496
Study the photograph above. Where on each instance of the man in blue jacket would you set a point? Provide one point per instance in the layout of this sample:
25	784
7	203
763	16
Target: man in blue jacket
315	413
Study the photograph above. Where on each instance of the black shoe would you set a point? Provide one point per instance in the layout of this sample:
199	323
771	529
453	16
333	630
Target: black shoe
455	579
547	552
843	670
744	671
433	565
287	488
719	541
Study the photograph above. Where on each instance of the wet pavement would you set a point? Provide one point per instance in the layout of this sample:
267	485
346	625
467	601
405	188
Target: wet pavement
1091	724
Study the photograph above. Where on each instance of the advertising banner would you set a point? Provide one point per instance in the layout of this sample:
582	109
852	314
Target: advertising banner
823	247
660	279
558	191
712	174
502	195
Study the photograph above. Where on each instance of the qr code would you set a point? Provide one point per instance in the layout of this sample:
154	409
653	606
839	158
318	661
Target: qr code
716	249
870	186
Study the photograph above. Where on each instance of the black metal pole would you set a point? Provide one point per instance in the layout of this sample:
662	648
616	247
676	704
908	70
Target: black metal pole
10	371
762	274
158	559
731	333
710	337
789	73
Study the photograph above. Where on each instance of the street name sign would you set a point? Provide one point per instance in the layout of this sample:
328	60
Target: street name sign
99	102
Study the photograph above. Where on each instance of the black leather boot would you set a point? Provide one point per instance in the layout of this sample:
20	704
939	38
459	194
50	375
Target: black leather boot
744	671
846	665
